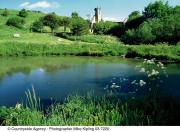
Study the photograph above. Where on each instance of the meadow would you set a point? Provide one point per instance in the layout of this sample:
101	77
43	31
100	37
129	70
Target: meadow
44	44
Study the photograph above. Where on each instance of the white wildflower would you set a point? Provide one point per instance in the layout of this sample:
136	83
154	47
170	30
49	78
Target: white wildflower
150	61
114	86
133	82
18	106
142	70
142	83
154	72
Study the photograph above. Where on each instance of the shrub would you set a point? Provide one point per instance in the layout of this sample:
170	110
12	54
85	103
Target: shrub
16	22
104	27
79	26
164	29
37	26
23	13
5	12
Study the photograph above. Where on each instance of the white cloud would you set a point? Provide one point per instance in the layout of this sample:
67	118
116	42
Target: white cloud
24	4
111	19
39	4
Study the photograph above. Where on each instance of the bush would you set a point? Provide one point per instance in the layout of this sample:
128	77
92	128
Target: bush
104	27
23	13
141	35
16	22
5	12
79	26
37	26
156	30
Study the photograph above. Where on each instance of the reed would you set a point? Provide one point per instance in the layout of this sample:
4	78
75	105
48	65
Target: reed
33	102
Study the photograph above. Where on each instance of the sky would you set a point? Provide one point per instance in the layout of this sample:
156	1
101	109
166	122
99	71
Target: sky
115	10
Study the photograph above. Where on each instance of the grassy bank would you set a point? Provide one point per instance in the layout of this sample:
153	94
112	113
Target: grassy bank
89	111
84	49
162	52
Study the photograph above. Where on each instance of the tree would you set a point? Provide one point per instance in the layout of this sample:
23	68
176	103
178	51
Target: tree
141	35
134	15
79	26
16	22
157	9
177	10
104	27
51	21
37	26
23	13
74	15
65	22
5	12
144	33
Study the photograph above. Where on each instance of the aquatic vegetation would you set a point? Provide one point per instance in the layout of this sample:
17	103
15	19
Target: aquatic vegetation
32	101
76	110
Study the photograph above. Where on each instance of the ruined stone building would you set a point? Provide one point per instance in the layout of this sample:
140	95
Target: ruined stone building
97	17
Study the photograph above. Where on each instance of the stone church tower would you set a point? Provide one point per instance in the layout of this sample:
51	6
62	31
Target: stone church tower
96	18
98	15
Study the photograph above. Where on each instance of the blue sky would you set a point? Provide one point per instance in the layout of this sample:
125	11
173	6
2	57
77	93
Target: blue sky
111	9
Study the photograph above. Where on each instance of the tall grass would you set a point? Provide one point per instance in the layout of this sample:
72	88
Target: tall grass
162	52
33	102
78	49
76	110
99	39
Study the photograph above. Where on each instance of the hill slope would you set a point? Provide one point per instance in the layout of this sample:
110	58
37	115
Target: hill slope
6	32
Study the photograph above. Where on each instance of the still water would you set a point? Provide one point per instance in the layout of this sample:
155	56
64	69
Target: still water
58	77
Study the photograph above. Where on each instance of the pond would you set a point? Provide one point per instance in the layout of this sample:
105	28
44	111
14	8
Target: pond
57	77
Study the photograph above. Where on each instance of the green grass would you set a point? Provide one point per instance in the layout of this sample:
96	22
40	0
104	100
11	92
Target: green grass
32	16
76	111
36	44
159	51
18	48
99	39
84	49
89	111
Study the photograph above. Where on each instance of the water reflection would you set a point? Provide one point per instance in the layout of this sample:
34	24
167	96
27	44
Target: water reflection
57	77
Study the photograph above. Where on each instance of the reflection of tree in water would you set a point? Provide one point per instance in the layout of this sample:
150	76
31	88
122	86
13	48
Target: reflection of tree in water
55	67
24	70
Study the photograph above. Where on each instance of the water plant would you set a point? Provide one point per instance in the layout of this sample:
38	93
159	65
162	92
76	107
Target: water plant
33	102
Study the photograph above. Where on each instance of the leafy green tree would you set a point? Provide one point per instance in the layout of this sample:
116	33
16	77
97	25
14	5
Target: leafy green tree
157	9
37	26
23	13
134	15
104	27
134	20
50	20
144	33
16	22
74	15
5	12
176	10
79	26
65	22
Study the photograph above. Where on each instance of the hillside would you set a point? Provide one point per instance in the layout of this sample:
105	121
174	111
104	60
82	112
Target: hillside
6	32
